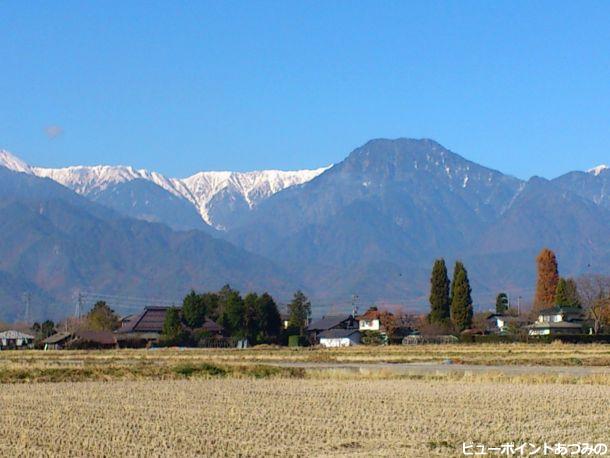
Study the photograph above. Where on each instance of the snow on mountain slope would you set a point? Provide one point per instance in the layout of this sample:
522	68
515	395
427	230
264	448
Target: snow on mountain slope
253	186
599	169
199	189
12	162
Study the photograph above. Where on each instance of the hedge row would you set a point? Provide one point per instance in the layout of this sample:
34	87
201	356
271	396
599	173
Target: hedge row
577	338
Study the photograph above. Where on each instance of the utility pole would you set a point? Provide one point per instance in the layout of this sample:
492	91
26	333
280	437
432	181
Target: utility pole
354	306
519	305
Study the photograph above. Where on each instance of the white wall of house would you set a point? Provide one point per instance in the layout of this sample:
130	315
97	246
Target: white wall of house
550	318
369	325
539	332
338	342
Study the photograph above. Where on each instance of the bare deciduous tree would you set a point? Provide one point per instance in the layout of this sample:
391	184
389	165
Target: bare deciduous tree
594	291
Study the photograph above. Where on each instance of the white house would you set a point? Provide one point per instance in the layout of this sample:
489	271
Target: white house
339	338
500	323
15	340
559	320
370	320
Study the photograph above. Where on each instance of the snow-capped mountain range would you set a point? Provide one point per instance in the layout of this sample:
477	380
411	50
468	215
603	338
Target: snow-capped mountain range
204	190
370	225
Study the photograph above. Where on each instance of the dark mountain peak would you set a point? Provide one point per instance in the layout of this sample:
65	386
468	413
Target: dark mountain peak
538	181
408	160
405	147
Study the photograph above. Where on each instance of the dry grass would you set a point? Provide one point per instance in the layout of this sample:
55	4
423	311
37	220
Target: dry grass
478	354
289	417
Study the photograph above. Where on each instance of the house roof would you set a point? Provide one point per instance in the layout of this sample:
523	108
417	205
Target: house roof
369	315
557	310
211	326
12	334
328	322
149	320
337	333
58	337
556	325
99	337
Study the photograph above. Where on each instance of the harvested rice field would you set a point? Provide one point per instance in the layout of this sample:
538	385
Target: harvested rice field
293	417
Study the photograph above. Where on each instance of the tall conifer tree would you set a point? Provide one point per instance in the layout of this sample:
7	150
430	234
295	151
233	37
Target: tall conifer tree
572	293
501	303
461	299
561	294
439	293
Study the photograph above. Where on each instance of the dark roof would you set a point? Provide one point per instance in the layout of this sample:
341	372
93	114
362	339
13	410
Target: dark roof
556	325
56	338
150	320
557	309
337	333
98	337
328	322
211	326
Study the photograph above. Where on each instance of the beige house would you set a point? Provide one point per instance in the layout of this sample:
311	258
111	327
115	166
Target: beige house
559	321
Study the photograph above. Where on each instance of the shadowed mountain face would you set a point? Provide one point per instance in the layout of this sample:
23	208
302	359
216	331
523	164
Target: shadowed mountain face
373	224
55	242
593	185
370	226
144	200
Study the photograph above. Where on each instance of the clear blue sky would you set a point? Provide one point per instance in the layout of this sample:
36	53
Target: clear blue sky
178	87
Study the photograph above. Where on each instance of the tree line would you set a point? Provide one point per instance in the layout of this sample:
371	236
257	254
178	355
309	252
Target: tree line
253	317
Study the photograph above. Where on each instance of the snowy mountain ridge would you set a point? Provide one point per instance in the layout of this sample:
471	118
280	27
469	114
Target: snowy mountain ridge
599	169
199	189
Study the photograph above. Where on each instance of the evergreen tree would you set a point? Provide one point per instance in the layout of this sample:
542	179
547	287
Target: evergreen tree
561	294
210	301
299	311
44	330
232	316
547	280
172	333
251	319
102	318
501	303
461	300
572	293
47	328
194	310
439	293
269	319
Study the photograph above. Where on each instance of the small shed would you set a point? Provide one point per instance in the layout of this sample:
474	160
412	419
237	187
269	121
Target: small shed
339	338
15	340
57	341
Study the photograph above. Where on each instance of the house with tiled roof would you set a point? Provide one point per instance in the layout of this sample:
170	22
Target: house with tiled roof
147	326
560	321
331	322
370	320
